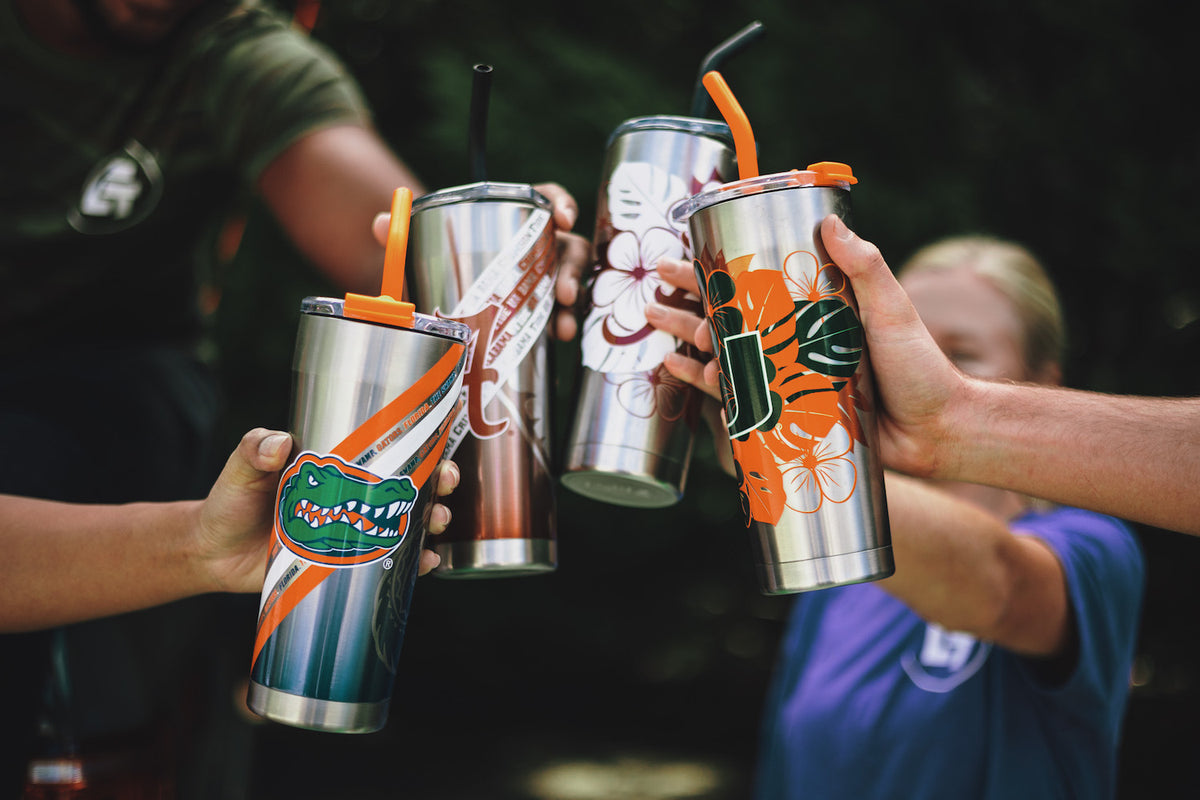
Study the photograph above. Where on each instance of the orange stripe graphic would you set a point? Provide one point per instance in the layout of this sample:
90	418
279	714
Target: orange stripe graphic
358	441
379	423
305	582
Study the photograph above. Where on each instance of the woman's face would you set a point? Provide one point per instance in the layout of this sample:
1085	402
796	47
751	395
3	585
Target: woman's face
971	321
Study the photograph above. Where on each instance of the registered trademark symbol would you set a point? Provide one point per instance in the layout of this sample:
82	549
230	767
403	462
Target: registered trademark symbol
387	563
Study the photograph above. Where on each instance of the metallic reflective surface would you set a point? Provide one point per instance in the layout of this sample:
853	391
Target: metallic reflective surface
613	454
330	664
324	715
840	542
513	557
507	488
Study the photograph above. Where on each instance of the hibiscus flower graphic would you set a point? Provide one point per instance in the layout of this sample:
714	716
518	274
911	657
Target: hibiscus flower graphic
808	281
625	289
620	293
822	473
656	391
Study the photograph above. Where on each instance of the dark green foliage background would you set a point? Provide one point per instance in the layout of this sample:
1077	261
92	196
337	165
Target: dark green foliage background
1068	125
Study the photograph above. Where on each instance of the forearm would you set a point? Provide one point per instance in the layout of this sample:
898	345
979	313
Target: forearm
65	562
1133	457
326	189
961	567
947	553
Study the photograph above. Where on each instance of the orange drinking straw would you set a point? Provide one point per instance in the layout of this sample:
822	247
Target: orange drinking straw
731	110
390	307
397	244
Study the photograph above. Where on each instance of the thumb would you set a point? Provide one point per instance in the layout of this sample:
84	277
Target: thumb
880	296
380	225
261	454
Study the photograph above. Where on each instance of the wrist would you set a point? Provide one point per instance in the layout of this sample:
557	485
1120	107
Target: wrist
983	430
196	556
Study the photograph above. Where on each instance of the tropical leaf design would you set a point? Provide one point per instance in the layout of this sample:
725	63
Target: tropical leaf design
789	347
830	337
760	482
640	196
719	289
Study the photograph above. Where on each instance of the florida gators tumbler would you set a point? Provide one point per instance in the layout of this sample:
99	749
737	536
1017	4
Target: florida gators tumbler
375	389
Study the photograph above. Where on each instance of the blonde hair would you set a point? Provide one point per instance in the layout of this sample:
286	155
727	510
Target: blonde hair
1015	273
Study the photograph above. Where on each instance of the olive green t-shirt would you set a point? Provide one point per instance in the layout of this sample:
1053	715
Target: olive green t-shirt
115	171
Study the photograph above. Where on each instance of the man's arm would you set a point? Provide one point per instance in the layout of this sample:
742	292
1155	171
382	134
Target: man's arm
66	562
326	189
1132	457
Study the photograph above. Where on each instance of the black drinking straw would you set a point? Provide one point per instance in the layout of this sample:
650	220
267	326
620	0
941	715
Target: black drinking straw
701	103
477	132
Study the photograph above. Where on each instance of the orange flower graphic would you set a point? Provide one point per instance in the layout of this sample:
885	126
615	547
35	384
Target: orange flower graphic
822	473
808	281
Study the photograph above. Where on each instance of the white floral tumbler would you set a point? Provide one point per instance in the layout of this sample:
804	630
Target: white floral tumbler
634	424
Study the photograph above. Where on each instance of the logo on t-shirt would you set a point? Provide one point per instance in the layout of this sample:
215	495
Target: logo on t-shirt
946	659
122	189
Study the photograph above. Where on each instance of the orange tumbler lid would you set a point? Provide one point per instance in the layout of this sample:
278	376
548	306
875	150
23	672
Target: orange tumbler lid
388	308
830	172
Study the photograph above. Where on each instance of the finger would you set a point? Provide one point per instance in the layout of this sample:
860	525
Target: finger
702	337
574	254
380	225
693	372
565	325
427	562
439	519
259	456
679	273
448	478
679	323
563	207
877	291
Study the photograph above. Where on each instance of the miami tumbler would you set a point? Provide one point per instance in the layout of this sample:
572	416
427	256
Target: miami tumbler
794	373
484	254
631	437
373	398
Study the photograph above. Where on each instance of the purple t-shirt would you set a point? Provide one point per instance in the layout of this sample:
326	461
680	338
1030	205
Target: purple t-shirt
869	701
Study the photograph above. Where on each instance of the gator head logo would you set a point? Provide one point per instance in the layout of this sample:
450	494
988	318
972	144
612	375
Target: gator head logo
336	514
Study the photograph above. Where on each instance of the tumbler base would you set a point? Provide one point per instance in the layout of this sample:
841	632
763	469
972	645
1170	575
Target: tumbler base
789	577
329	716
496	558
622	488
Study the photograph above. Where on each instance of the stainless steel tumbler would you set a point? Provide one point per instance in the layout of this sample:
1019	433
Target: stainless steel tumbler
373	399
631	438
797	385
484	254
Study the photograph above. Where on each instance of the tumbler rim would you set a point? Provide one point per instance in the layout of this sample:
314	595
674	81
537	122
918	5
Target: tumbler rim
482	191
792	179
714	129
422	323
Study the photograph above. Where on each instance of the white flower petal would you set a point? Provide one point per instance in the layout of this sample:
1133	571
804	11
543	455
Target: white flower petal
836	444
837	478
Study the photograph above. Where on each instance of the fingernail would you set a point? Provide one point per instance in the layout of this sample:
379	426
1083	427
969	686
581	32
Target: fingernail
569	212
656	311
840	230
273	445
439	519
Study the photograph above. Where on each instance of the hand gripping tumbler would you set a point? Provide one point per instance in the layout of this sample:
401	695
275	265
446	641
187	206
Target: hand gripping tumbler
484	254
794	374
631	438
375	389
